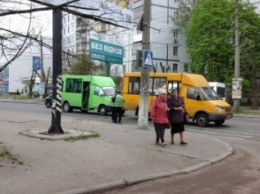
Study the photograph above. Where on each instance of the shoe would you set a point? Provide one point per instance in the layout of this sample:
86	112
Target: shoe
183	143
163	144
157	143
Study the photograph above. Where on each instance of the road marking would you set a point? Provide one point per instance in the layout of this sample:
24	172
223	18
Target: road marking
222	134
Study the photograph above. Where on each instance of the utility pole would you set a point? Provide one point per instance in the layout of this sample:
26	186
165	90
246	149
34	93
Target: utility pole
41	78
57	68
237	53
144	93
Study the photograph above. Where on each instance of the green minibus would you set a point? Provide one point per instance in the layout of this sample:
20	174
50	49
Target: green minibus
87	92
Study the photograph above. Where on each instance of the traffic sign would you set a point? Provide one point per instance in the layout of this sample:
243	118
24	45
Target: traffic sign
148	58
36	61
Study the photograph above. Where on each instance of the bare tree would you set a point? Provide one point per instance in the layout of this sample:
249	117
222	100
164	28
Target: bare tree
12	42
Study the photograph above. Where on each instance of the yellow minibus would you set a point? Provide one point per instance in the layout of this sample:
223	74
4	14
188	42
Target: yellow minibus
202	103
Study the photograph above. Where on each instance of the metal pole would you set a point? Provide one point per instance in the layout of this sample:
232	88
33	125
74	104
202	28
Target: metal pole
144	93
57	68
237	52
41	78
108	66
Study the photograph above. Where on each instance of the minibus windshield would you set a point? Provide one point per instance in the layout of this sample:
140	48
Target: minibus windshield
109	90
209	93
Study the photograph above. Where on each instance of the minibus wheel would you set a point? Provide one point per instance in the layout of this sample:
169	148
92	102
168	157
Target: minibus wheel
66	107
202	120
219	122
48	104
102	110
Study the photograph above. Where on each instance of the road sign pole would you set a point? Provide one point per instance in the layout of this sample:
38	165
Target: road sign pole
108	65
144	94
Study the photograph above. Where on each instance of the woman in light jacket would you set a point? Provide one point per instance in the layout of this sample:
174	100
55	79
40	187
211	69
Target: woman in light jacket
159	116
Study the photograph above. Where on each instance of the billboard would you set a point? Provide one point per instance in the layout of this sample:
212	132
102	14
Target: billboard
106	52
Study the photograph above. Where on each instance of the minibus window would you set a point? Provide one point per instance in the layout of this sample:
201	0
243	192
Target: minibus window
96	90
109	91
73	85
209	93
155	84
192	93
134	85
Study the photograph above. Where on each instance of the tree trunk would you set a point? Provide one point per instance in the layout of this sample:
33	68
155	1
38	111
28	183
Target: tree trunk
31	84
255	94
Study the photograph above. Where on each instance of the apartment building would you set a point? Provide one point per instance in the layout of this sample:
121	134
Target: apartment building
167	40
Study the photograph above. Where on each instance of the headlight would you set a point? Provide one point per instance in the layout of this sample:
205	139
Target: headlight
219	109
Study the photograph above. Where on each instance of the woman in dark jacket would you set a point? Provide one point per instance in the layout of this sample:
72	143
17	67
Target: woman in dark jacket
176	106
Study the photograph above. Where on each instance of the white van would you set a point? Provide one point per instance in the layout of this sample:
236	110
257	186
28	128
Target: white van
220	88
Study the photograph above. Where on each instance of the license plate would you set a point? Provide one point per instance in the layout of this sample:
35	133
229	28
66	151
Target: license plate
229	116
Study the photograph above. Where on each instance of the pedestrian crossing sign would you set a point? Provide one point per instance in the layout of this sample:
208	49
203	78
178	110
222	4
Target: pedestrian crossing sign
148	58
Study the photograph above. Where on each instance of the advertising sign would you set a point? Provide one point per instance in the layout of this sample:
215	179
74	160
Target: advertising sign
41	88
106	52
237	88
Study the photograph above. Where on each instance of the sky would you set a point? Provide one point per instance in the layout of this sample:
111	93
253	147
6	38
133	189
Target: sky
42	21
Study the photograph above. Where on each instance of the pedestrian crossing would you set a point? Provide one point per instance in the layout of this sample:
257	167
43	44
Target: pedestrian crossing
227	133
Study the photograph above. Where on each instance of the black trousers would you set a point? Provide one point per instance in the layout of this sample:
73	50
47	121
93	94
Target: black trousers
159	131
116	114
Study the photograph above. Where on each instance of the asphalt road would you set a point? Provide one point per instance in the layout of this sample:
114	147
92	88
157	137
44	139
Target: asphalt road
238	174
238	128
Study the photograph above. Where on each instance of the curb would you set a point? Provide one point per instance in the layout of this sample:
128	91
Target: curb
130	182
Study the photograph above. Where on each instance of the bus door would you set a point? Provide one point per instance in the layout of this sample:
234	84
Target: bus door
193	101
97	96
85	95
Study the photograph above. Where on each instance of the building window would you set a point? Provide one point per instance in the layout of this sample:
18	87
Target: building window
175	33
176	14
68	18
68	29
64	31
174	67
175	50
186	68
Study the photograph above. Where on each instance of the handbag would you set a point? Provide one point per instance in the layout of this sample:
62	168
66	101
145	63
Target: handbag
168	125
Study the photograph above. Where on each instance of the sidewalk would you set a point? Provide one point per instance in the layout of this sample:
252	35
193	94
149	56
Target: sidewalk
121	156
